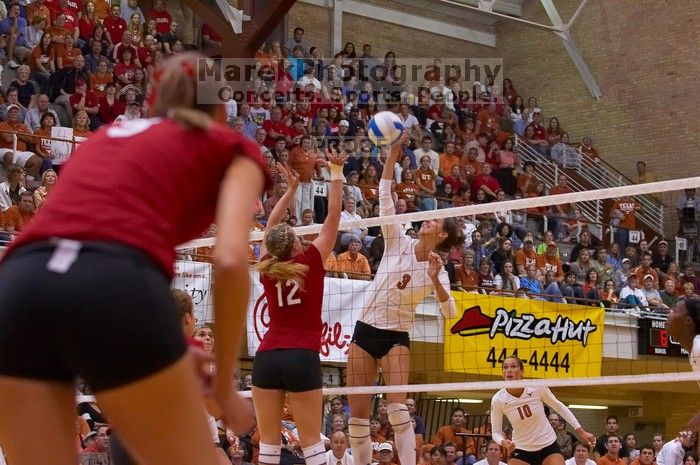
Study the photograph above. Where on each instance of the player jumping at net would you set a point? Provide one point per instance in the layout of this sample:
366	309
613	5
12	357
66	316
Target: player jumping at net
409	271
683	325
534	441
89	283
287	362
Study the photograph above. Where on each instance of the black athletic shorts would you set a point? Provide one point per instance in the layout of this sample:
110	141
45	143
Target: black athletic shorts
378	342
293	370
101	310
536	457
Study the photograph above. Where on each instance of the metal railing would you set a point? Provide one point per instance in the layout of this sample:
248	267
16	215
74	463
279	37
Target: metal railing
548	172
600	175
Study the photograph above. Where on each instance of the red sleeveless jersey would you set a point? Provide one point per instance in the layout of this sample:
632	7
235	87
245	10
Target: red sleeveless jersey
149	183
295	314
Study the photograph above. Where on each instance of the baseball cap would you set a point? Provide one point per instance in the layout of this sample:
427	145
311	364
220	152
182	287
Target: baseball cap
91	434
626	260
80	82
344	122
648	276
663	242
385	446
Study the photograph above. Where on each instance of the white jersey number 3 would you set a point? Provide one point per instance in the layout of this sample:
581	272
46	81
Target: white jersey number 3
292	299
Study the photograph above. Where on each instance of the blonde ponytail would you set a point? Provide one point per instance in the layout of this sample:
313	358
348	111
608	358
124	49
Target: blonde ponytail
283	271
279	242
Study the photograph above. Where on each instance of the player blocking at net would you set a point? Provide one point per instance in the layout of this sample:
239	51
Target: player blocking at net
287	362
409	271
534	441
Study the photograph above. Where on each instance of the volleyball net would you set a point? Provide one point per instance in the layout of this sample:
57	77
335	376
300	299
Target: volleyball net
573	332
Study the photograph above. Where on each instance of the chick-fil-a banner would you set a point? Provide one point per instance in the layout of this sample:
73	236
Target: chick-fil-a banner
342	306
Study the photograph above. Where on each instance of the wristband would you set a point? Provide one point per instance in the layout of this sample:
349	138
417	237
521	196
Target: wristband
336	172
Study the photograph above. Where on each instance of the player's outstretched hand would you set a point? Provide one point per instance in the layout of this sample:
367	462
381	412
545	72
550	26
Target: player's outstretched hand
335	157
288	174
588	438
434	265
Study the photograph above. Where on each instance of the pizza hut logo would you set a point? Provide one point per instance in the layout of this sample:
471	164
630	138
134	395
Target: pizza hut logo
524	327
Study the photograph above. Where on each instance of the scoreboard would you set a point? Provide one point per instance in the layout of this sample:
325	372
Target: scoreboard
655	340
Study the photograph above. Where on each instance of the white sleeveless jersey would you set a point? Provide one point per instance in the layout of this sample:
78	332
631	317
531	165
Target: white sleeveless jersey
694	356
531	428
401	282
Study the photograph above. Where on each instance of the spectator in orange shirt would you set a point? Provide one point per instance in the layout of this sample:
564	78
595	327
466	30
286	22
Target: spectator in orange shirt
612	456
646	457
448	159
33	164
471	166
467	276
645	268
305	160
526	256
101	78
448	433
42	135
408	190
353	263
20	215
65	56
623	217
550	262
587	149
425	180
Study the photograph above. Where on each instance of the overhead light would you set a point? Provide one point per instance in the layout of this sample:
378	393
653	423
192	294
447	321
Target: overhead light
588	407
462	401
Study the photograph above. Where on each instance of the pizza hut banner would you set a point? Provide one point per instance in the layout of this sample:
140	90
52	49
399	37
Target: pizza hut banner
553	340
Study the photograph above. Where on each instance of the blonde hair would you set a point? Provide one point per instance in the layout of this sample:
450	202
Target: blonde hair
86	126
279	242
175	92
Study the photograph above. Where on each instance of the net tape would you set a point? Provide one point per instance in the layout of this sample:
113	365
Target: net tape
498	384
518	204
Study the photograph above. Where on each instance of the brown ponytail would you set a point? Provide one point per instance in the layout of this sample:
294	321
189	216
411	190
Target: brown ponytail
174	92
279	242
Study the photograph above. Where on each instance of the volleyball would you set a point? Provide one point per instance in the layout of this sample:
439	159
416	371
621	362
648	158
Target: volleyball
385	128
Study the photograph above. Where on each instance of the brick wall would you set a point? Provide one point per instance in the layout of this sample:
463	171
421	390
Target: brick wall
641	52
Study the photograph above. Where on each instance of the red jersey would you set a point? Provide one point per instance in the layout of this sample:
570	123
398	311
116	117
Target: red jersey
115	27
91	100
71	18
158	187
163	20
295	314
277	126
